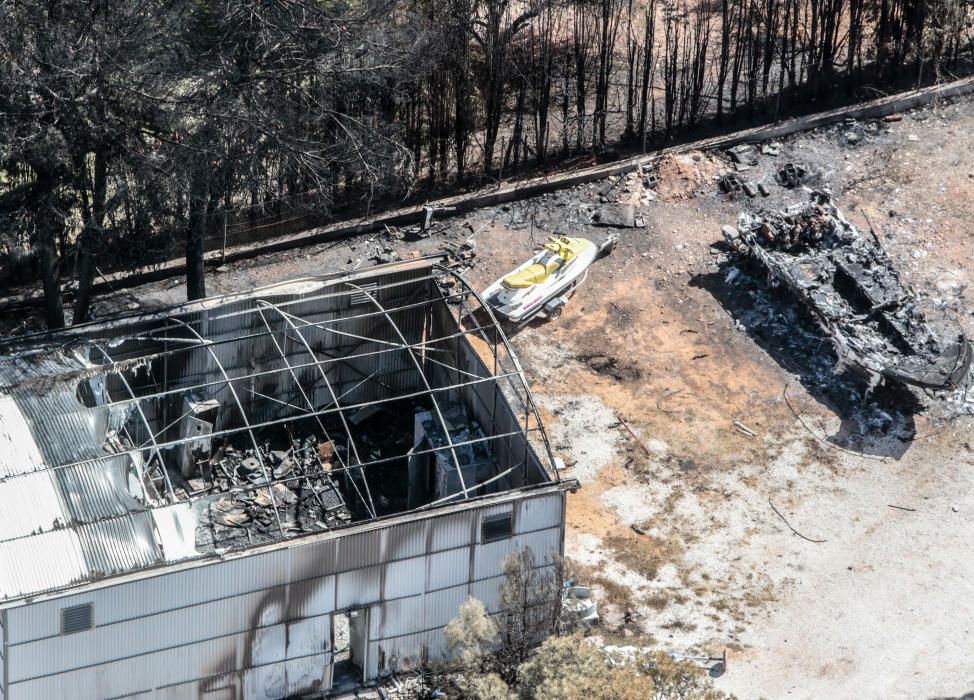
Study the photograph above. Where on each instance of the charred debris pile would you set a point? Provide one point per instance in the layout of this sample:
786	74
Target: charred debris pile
261	491
848	283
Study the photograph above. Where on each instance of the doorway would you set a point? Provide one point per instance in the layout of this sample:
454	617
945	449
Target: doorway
350	644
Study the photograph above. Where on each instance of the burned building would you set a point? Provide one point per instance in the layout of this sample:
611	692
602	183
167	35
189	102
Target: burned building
263	494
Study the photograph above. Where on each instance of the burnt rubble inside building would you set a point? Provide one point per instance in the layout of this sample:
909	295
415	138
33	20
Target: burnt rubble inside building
849	285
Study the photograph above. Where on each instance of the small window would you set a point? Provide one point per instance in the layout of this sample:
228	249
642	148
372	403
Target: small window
496	527
77	618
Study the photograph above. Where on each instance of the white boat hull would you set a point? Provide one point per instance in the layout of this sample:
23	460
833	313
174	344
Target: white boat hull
545	298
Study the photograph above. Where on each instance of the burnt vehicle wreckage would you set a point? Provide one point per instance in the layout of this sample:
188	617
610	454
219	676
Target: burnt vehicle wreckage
849	284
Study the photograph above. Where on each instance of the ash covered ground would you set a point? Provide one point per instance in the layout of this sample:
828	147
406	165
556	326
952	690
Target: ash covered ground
742	423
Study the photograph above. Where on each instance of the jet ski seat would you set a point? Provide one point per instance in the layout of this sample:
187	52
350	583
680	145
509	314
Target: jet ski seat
558	251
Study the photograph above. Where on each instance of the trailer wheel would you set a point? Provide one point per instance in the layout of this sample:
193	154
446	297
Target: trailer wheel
555	313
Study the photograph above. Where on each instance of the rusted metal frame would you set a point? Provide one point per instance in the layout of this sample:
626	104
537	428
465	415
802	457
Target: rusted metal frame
338	319
334	397
243	417
194	343
507	442
264	424
517	366
145	422
408	304
311	407
289	479
166	427
253	392
253	375
492	342
430	392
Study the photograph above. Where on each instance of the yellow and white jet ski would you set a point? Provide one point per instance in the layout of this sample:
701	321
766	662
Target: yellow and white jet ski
540	287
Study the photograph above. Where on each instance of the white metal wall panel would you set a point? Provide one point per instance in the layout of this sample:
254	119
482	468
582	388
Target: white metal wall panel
545	544
41	562
538	513
159	593
314	559
144	635
357	551
312	597
450	531
406	540
489	558
441	607
137	673
404	578
488	592
396	617
179	627
449	568
357	588
406	653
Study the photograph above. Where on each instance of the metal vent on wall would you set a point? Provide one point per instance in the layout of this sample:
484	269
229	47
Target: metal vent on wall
360	297
77	618
496	527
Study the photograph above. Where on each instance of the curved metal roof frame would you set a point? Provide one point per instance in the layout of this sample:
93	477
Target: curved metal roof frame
491	333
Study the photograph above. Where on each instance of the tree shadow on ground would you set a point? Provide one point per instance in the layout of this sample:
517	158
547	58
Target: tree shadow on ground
878	422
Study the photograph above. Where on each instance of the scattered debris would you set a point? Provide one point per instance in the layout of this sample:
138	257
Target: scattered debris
851	287
731	184
615	215
741	428
791	175
578	607
744	154
428	213
263	490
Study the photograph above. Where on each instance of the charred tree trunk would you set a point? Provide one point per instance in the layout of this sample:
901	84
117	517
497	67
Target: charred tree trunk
92	237
199	199
50	225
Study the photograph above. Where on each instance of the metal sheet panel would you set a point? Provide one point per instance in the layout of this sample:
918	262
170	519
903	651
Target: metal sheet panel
358	587
41	562
452	531
397	617
441	606
356	551
449	568
404	578
150	595
538	513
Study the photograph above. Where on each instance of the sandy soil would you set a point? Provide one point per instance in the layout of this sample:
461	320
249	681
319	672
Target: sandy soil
679	530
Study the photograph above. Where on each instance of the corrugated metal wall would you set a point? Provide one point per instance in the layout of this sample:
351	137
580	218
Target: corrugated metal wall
258	625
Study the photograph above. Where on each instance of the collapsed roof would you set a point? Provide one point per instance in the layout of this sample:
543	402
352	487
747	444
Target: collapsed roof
252	418
849	284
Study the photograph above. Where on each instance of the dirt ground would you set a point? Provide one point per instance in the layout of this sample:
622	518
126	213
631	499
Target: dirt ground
745	436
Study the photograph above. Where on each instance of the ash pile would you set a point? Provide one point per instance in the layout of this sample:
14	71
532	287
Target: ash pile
264	492
849	284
